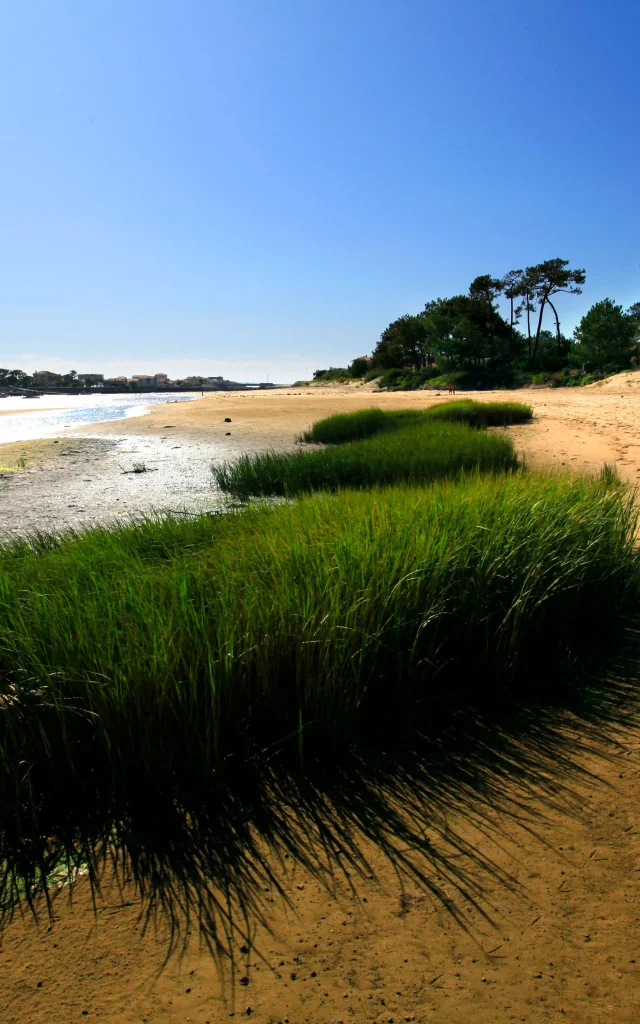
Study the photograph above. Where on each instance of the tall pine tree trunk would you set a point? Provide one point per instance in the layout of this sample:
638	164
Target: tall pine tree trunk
555	313
539	328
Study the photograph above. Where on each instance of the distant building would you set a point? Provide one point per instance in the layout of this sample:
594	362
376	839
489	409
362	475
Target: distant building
46	378
116	380
91	378
144	380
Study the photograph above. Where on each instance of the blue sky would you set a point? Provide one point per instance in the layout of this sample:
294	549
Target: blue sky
257	187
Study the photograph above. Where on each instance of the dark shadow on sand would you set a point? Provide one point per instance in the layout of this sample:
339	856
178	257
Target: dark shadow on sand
212	858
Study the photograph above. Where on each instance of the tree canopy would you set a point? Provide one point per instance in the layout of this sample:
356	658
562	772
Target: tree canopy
469	332
605	335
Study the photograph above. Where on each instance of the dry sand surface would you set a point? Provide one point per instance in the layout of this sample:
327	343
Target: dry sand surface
529	907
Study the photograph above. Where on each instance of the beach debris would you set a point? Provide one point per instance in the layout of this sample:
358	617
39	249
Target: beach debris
228	433
139	467
169	426
227	419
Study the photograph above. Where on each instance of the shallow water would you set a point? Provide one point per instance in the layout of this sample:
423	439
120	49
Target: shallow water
27	419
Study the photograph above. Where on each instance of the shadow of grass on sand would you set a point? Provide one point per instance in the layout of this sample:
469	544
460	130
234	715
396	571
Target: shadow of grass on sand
206	859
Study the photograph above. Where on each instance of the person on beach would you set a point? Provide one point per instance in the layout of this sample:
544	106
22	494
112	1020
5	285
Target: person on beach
452	387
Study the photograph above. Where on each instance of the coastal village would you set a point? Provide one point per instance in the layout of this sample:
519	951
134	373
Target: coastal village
46	380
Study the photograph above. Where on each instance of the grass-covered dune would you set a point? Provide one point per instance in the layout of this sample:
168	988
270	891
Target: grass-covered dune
138	663
416	454
353	426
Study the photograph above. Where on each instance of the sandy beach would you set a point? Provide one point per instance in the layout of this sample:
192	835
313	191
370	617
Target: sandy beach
84	476
528	908
576	427
527	912
580	428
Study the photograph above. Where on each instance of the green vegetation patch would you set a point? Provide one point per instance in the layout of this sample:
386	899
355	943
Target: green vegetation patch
353	426
481	414
370	447
140	664
417	454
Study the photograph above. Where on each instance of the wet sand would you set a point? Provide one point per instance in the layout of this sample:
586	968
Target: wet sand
77	482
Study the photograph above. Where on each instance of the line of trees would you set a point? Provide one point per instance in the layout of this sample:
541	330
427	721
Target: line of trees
20	379
469	332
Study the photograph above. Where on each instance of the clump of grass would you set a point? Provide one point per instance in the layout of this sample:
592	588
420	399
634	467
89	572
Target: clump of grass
415	455
353	426
481	414
139	663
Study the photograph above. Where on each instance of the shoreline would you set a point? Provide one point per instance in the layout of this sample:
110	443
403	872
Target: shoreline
580	428
82	477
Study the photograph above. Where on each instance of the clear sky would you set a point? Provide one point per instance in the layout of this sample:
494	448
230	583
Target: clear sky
257	187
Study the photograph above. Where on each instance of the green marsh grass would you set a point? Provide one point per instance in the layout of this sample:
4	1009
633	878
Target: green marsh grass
481	414
353	426
140	664
416	454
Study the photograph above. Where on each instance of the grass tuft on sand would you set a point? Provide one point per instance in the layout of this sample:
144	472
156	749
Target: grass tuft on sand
140	662
416	454
354	426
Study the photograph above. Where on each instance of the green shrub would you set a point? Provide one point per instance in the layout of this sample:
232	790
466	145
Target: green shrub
359	366
389	378
337	373
372	374
442	381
